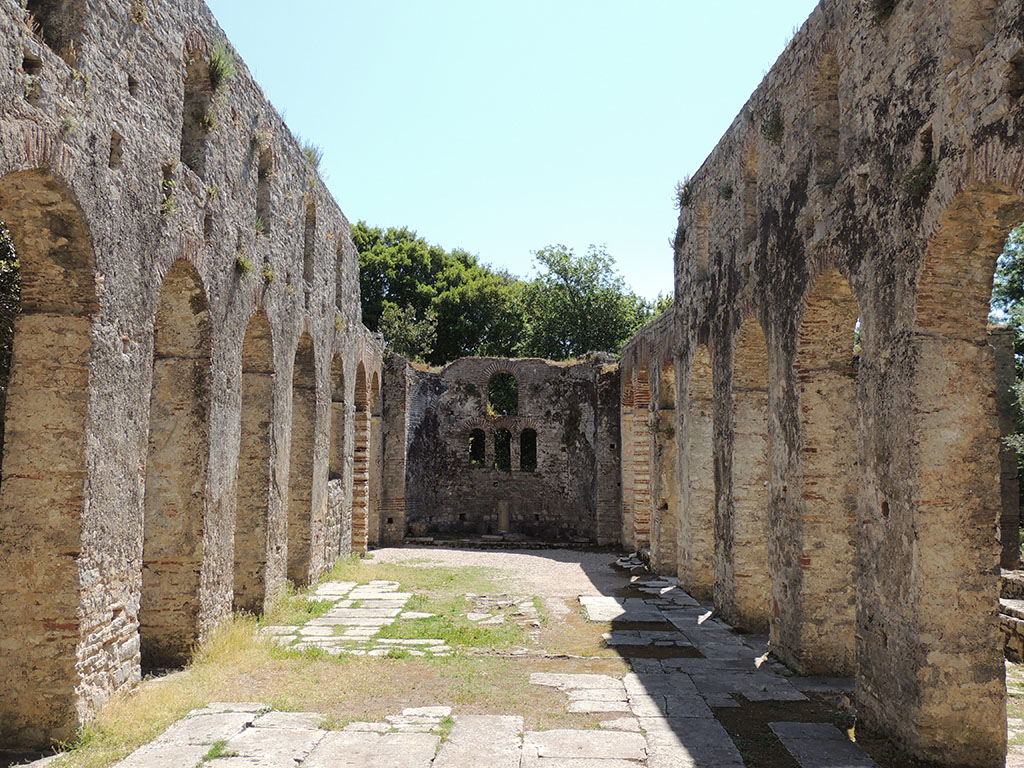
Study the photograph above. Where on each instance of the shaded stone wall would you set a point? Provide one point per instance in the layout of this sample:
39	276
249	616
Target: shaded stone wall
873	177
122	168
572	408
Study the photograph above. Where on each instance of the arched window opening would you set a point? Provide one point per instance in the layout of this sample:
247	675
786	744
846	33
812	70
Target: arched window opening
58	23
528	450
477	447
503	395
826	121
264	174
503	450
309	243
196	116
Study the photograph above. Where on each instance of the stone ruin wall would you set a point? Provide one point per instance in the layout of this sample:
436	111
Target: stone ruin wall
572	494
873	175
180	436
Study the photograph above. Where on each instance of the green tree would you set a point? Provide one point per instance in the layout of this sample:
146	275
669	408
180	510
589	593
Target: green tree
579	304
475	310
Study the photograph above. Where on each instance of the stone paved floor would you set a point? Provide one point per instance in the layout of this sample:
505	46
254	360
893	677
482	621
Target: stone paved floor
685	664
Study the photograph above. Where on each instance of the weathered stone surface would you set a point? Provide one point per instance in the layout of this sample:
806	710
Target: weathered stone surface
477	740
346	749
821	745
586	744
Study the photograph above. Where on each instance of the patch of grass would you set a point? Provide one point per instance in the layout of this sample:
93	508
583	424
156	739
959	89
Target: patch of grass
314	155
218	749
138	13
684	193
268	273
243	265
295	609
725	191
445	727
451	625
261	228
222	66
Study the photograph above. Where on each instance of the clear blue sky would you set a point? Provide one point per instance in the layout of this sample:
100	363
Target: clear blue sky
501	127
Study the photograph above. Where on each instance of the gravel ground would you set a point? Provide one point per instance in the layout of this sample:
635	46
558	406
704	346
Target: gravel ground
543	572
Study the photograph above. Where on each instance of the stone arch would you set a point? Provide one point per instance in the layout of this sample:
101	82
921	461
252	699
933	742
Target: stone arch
954	504
176	470
253	541
641	459
826	383
664	543
747	596
300	478
44	470
695	556
361	467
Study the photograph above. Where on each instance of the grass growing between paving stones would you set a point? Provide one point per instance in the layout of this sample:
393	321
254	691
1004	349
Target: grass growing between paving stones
238	664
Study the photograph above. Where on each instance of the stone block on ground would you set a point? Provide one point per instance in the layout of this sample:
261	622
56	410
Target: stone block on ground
603	745
354	749
482	740
821	745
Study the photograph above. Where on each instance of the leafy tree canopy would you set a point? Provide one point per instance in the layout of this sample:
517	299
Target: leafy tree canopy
437	306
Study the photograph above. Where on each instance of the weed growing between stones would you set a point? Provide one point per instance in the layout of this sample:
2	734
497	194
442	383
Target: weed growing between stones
243	265
918	181
222	66
772	126
883	8
218	749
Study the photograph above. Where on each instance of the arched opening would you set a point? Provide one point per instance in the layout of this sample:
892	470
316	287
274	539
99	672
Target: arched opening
477	448
826	120
361	466
826	379
955	498
747	607
47	319
176	469
696	526
300	478
59	24
641	460
528	450
197	111
664	543
252	534
503	395
503	450
376	459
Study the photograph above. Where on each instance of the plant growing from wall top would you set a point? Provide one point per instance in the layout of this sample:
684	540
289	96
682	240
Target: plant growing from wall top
684	193
222	66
